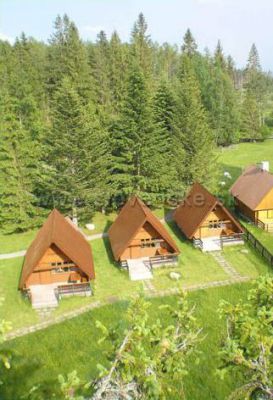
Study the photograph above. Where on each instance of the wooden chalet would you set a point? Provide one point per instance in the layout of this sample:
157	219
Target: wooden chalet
137	234
205	220
58	262
253	195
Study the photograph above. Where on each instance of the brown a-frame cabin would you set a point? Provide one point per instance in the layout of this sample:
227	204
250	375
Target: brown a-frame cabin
205	220
58	260
137	234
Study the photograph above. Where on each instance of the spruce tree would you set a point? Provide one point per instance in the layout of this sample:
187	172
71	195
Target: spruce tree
254	97
193	132
250	118
118	71
164	108
139	164
76	153
189	46
19	171
101	70
224	106
67	56
141	46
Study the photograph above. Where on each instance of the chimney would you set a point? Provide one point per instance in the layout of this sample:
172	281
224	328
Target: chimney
264	165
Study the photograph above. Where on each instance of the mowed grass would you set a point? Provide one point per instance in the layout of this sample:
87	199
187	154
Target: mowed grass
235	158
246	261
264	237
16	242
112	283
194	266
39	357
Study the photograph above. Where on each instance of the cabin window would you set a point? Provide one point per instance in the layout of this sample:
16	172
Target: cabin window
60	263
216	224
148	243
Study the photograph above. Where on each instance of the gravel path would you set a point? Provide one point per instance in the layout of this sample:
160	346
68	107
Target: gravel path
225	265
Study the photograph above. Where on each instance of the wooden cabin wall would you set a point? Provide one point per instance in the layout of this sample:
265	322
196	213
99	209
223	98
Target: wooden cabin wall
265	205
218	215
43	274
243	209
136	251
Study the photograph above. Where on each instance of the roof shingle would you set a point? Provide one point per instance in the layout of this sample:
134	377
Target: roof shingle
59	231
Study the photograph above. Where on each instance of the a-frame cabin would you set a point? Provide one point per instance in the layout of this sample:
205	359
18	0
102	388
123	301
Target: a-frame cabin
205	220
253	195
137	234
58	262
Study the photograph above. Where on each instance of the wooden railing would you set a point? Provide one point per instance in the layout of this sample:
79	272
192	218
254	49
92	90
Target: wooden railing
74	289
231	238
198	243
266	226
167	259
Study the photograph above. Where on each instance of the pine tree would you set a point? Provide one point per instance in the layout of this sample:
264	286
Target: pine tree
193	132
189	46
138	151
76	154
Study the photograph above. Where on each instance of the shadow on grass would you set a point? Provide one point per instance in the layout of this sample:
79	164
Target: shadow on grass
16	380
107	246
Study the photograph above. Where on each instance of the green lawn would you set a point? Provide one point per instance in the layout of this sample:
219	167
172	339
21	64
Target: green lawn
41	356
195	267
16	242
235	158
112	283
264	237
247	261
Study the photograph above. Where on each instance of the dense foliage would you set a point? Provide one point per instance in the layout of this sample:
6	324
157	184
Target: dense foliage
249	342
85	125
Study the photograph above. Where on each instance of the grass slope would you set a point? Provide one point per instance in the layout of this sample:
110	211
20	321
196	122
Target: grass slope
41	356
235	158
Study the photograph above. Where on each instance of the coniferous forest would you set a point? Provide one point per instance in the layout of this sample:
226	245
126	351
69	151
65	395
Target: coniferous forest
83	125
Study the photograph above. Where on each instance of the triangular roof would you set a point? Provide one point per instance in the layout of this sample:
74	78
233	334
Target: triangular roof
130	220
66	236
193	210
252	186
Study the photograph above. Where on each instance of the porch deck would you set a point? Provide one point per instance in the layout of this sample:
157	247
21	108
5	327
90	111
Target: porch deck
216	243
47	296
